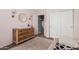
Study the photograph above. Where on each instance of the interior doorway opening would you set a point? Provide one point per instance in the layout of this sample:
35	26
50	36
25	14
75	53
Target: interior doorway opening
41	24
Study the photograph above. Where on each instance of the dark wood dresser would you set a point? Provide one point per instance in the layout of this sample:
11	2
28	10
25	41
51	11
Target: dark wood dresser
20	35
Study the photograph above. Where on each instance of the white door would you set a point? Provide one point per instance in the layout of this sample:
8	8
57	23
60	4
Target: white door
61	26
55	25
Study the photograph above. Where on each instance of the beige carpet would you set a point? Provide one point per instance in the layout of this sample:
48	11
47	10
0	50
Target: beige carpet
38	43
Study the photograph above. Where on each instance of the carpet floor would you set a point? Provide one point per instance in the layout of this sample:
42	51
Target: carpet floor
37	43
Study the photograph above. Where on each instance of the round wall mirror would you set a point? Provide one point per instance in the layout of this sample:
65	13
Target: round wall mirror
22	17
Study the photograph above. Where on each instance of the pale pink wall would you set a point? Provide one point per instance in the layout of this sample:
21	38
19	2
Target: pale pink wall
76	24
35	24
7	23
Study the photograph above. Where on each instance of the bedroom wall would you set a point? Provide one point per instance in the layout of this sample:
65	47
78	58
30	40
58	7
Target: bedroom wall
46	23
7	23
76	25
35	24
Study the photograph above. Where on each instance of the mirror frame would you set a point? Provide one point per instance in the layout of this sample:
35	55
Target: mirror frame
22	16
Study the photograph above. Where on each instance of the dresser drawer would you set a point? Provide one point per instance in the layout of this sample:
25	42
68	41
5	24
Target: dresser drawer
20	35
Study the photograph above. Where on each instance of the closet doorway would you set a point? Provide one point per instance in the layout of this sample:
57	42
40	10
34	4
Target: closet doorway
41	24
62	27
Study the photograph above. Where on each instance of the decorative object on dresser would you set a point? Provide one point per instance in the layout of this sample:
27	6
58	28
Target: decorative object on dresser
20	35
